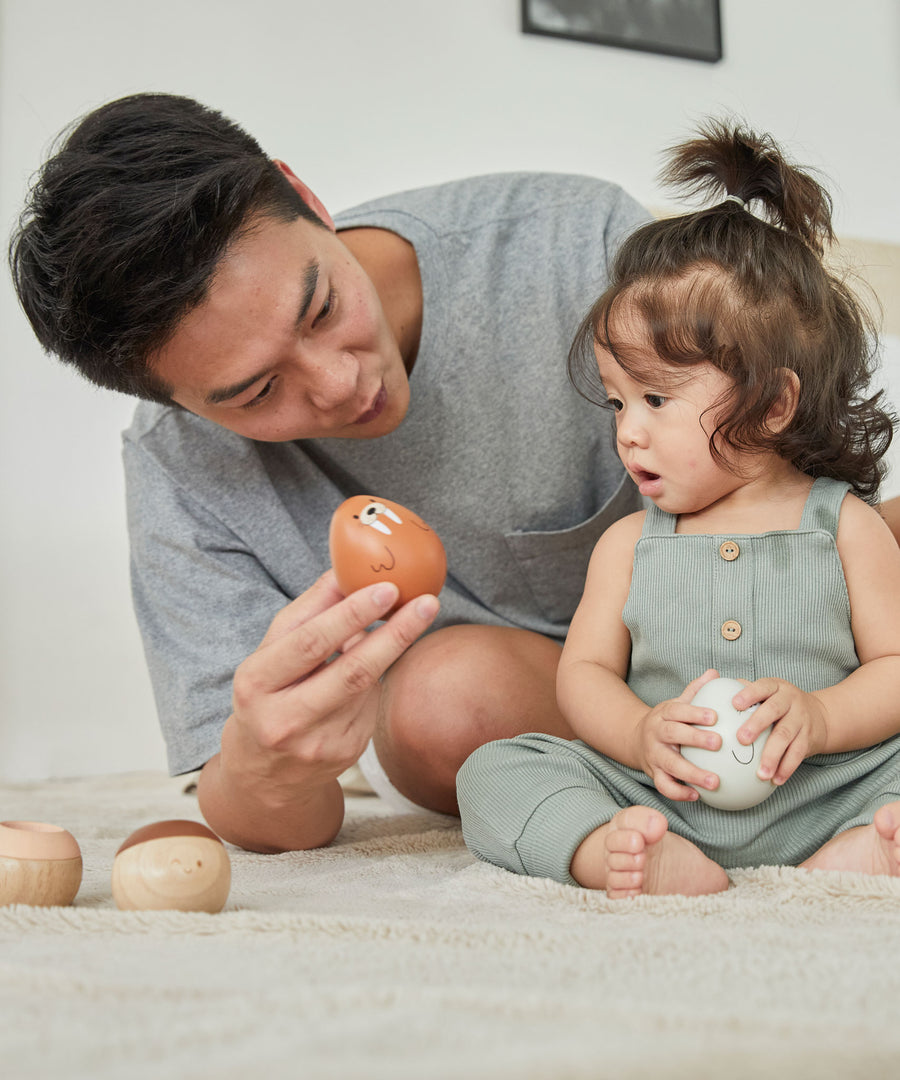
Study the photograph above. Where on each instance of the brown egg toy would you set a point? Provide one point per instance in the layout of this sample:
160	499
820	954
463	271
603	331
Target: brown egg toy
39	864
178	865
373	540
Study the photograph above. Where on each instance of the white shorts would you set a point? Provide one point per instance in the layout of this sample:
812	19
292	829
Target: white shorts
377	779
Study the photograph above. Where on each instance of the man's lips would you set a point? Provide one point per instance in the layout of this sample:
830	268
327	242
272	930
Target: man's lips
375	410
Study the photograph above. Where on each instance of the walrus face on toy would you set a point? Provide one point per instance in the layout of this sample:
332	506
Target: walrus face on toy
373	540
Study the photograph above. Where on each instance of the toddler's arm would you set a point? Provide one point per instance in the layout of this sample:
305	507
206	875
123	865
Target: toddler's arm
591	687
864	708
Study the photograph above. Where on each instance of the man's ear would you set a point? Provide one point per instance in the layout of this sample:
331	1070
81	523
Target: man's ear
782	412
306	194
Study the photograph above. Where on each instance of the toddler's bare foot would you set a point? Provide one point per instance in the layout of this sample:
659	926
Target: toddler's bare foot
867	849
635	853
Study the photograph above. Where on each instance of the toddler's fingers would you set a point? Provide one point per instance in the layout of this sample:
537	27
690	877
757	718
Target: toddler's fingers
680	769
754	692
694	685
756	724
675	792
788	765
777	746
691	735
671	789
678	712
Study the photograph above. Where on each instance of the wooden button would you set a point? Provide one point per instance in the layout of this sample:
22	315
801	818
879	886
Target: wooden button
731	630
729	550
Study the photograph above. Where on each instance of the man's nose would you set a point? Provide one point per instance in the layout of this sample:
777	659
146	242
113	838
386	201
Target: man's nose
331	380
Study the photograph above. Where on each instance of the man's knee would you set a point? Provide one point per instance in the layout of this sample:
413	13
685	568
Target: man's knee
456	689
465	685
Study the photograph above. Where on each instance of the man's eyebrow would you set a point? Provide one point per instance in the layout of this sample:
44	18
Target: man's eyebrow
310	281
226	393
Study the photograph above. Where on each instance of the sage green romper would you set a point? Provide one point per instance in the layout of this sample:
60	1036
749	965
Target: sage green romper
773	604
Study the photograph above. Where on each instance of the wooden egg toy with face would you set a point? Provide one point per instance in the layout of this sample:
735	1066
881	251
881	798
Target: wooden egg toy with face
172	865
39	864
374	540
734	764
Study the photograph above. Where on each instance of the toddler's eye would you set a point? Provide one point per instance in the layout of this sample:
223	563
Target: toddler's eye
655	401
614	403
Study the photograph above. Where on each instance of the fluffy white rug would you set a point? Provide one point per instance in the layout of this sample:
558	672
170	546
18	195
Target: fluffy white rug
394	954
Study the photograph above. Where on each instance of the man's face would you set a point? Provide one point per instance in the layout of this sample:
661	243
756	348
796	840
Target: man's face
290	343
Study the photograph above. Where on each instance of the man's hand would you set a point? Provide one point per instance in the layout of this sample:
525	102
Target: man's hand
305	705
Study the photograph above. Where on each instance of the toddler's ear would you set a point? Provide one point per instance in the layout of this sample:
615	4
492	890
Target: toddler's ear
782	412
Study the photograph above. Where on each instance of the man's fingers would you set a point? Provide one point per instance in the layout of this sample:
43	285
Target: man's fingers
362	665
319	597
290	656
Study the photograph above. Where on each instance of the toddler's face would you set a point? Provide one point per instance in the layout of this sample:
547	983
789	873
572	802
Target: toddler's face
664	419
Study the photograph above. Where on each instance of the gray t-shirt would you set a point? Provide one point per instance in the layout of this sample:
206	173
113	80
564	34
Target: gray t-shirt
498	453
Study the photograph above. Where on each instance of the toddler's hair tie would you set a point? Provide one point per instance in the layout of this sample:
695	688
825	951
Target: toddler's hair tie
738	200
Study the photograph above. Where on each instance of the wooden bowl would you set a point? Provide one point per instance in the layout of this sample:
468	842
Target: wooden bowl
39	864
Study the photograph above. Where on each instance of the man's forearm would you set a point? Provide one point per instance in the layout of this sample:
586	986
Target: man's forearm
267	818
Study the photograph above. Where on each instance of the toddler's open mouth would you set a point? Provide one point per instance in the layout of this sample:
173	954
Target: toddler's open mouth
649	483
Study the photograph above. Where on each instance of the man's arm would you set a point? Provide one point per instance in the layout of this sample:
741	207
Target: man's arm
301	718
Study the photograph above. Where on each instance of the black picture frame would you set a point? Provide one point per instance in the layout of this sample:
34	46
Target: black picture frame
691	29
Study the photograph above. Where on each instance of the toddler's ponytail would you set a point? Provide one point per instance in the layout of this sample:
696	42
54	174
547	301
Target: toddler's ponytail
734	161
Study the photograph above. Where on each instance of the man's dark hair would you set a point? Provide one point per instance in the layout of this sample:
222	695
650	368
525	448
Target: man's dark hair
125	225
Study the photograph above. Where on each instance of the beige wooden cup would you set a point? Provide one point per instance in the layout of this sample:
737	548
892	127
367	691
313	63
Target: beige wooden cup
39	864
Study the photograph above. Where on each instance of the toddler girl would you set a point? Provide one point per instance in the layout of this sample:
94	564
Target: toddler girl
737	367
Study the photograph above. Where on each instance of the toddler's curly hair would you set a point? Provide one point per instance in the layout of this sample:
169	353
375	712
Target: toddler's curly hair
749	292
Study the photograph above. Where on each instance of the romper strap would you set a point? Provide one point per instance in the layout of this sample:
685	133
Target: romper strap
658	522
823	505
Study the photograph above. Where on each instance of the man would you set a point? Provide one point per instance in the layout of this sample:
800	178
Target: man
415	350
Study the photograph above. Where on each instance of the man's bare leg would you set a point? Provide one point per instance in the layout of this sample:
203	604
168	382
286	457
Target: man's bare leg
867	849
635	854
455	690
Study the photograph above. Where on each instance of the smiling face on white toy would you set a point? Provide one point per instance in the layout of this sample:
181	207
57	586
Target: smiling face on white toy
734	764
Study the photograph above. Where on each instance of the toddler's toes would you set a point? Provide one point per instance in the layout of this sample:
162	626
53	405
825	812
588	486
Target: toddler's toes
624	860
622	884
887	825
649	824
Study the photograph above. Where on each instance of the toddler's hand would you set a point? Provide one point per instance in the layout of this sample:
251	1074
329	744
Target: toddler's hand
664	730
799	721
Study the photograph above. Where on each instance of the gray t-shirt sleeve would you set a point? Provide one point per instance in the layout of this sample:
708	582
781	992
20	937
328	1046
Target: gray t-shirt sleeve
202	601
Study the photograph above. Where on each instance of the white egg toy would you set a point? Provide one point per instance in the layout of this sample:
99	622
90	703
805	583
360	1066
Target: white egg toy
734	763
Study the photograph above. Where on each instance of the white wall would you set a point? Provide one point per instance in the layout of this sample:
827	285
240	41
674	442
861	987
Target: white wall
360	98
